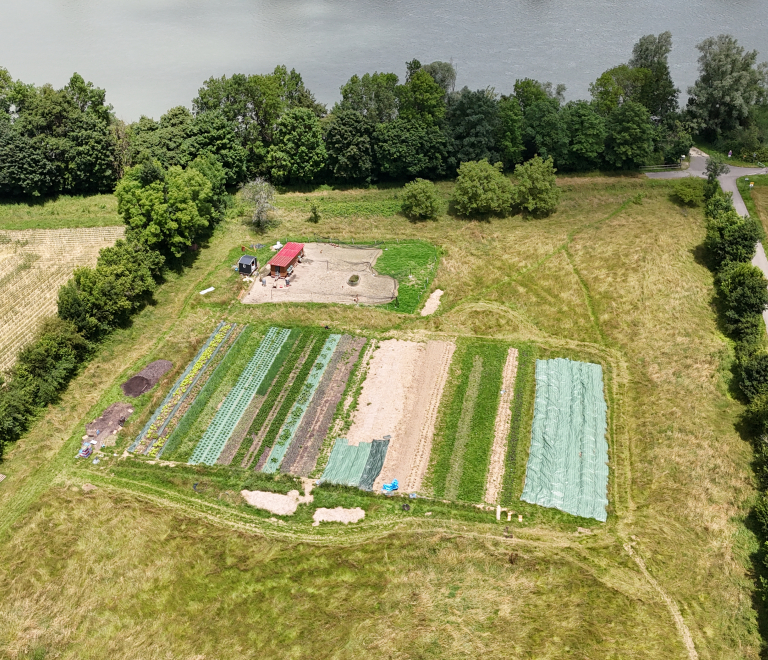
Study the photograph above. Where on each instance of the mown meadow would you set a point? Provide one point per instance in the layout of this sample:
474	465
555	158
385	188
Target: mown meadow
166	561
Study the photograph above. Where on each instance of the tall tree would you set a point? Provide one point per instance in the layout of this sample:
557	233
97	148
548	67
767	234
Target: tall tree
444	74
349	147
471	126
658	92
629	142
617	85
406	149
509	135
729	84
374	96
529	91
421	98
545	132
298	152
586	134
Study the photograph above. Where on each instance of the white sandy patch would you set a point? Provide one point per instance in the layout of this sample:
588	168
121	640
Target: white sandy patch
280	505
501	432
408	454
430	307
339	514
386	391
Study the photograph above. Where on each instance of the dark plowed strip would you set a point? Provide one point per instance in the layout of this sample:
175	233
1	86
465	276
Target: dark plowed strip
238	435
259	437
317	420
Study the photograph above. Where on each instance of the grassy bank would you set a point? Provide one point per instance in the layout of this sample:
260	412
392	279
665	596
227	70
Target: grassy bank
60	212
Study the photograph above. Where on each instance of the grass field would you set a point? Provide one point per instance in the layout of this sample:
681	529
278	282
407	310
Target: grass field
60	213
164	562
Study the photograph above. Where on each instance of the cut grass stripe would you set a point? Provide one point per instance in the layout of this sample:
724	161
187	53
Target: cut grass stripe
301	404
212	443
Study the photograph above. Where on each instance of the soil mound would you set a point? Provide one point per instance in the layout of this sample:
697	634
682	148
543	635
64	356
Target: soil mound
147	378
111	421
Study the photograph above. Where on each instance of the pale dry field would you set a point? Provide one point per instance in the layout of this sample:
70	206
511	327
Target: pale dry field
33	265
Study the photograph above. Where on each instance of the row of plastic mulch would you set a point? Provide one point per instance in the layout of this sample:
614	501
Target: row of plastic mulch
355	465
568	463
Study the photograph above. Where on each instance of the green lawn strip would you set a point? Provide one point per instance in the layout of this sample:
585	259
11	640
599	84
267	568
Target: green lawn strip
413	264
203	410
449	415
293	393
299	342
385	204
482	428
514	468
62	212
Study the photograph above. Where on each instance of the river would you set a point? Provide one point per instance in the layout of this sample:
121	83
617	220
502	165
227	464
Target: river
153	54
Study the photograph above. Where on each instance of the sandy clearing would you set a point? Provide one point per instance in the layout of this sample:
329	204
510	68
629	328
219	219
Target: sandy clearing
430	307
280	505
323	276
386	391
501	432
408	454
339	514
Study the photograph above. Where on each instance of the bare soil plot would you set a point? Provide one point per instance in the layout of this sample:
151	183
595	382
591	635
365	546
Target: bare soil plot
280	505
386	391
301	457
34	263
147	378
323	276
408	454
501	432
105	428
433	302
339	514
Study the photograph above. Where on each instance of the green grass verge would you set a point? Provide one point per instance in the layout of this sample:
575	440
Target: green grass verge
514	469
293	393
384	203
413	264
60	213
211	396
471	487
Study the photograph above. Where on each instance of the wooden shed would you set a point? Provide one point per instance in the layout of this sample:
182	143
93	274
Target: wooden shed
283	263
247	265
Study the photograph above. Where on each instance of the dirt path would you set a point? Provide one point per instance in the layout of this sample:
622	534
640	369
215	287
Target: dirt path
386	391
433	302
408	454
501	431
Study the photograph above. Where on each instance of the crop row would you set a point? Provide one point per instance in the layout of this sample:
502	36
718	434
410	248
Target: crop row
300	405
152	420
212	443
288	401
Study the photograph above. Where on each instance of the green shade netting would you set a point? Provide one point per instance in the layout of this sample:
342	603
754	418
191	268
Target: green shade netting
568	463
346	463
374	464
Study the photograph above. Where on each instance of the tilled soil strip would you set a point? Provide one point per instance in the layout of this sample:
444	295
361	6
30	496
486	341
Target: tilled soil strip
301	457
426	404
462	432
501	430
275	409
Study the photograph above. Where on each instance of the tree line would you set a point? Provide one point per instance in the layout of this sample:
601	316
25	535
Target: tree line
271	126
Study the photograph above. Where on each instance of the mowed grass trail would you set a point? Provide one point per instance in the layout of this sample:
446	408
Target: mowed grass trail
614	277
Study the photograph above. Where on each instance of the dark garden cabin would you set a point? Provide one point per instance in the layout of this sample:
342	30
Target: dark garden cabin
283	263
247	265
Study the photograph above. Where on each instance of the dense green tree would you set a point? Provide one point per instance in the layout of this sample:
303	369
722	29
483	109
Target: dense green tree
210	133
658	93
293	92
471	126
406	149
298	152
161	140
481	189
529	91
536	190
97	300
25	168
420	200
168	210
443	73
212	169
730	238
374	96
421	99
743	289
618	85
509	133
586	136
545	131
629	143
729	84
348	141
754	376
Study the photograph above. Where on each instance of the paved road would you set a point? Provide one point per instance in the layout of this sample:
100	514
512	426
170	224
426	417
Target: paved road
727	183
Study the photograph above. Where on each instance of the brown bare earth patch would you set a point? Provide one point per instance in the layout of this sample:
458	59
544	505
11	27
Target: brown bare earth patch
301	457
110	422
147	378
501	431
408	454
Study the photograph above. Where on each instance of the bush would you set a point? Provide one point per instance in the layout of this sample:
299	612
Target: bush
730	238
482	188
690	190
536	191
420	200
744	290
754	375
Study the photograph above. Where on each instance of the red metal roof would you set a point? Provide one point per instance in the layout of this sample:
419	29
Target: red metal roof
287	254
